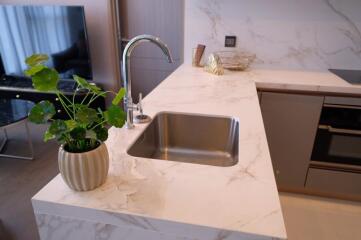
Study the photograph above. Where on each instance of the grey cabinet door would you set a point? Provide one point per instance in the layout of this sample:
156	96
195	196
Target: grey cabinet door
334	183
161	18
291	122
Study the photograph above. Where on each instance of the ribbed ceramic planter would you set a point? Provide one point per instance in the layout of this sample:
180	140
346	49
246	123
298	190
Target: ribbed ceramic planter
84	171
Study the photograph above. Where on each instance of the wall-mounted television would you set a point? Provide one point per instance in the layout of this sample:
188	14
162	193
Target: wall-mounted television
59	31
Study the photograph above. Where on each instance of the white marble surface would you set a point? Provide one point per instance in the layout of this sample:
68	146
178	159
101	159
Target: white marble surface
293	34
61	228
320	82
179	199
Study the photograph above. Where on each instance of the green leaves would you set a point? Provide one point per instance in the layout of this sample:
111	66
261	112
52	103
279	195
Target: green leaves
34	70
115	116
78	133
84	84
81	81
85	126
46	80
86	116
71	124
48	136
36	59
58	127
56	130
119	96
102	134
42	112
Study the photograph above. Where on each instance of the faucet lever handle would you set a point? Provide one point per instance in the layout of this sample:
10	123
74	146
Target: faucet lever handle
141	118
140	107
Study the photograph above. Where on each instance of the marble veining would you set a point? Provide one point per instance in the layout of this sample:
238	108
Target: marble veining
353	32
180	199
307	35
60	228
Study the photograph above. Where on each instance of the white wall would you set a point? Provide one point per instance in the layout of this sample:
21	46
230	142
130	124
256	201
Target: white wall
102	40
290	34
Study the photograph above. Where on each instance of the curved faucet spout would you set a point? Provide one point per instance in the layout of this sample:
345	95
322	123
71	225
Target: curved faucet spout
146	38
128	101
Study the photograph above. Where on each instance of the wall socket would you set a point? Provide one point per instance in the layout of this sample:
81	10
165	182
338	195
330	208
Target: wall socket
230	41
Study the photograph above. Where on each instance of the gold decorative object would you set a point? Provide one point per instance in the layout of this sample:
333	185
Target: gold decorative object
236	61
197	55
214	65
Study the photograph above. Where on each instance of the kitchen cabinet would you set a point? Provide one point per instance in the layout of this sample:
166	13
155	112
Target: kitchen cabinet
335	167
334	183
291	122
348	101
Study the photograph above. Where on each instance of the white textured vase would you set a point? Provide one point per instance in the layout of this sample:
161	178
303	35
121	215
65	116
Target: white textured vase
84	171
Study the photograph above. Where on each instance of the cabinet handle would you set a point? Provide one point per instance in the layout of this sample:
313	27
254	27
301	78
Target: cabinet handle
341	106
340	130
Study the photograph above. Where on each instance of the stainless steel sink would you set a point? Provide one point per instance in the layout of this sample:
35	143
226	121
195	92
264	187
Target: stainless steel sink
189	138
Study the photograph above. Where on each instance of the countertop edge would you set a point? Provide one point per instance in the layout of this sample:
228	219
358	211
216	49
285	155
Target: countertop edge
136	221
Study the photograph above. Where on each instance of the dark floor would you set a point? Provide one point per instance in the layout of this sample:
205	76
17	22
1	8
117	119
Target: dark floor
21	179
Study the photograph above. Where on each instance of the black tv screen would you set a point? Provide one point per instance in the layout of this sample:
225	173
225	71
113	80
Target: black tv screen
58	31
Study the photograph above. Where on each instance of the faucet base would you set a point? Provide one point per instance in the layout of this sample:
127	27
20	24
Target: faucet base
142	118
129	125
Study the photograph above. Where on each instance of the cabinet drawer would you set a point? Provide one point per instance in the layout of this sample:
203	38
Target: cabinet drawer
343	101
331	182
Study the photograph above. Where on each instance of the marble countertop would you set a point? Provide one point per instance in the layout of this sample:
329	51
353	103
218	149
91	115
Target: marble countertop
190	200
182	199
320	82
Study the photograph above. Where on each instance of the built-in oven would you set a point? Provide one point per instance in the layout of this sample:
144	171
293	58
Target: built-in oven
338	140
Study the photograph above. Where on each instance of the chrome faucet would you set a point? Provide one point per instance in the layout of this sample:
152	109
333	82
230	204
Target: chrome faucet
129	106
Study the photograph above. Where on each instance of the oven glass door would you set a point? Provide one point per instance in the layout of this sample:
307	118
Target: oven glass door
335	145
341	117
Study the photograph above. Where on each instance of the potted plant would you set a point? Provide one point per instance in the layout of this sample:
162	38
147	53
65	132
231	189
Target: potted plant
83	157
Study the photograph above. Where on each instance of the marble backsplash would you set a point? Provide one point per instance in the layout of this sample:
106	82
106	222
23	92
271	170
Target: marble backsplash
284	34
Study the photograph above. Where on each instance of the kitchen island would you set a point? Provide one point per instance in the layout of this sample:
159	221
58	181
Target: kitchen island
157	199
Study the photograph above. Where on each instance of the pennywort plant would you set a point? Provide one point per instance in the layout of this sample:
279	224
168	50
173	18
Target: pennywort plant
85	127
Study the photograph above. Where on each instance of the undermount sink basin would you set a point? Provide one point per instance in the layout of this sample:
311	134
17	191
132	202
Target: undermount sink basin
189	138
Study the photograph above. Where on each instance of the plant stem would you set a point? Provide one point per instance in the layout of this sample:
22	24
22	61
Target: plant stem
93	98
64	105
87	94
73	105
65	97
104	121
